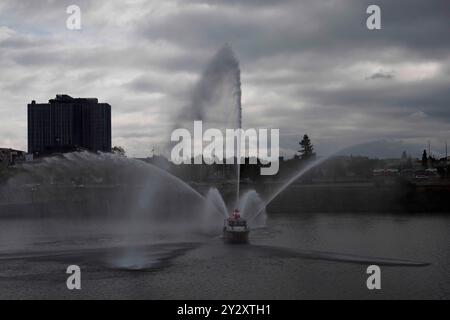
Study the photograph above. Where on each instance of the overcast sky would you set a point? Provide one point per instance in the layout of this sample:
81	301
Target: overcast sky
307	67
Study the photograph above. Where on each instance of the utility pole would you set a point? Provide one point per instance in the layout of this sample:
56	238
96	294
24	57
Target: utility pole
446	153
429	148
446	161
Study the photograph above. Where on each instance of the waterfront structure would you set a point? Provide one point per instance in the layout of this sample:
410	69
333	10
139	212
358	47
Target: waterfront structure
9	157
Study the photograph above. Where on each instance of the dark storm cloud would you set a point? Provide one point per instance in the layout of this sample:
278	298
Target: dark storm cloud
433	96
307	66
41	55
381	75
298	26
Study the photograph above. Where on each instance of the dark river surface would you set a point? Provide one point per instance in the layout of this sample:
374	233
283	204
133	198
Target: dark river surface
304	256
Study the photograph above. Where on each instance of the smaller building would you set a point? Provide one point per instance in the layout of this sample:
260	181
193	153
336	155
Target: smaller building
9	157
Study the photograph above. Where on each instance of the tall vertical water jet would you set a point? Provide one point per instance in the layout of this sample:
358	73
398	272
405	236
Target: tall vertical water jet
216	100
238	95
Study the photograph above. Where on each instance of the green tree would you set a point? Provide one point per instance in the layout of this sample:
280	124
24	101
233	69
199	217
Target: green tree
307	150
118	150
424	159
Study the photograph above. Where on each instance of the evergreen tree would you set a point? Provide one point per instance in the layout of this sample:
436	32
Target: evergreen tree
307	150
424	158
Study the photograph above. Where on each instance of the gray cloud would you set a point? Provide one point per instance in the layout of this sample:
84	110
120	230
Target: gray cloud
381	75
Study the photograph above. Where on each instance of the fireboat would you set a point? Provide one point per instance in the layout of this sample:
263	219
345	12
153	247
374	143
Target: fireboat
235	229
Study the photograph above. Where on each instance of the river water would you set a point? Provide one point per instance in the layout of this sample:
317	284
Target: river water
303	256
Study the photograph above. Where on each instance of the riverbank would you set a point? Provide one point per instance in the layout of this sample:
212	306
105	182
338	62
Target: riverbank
364	198
361	197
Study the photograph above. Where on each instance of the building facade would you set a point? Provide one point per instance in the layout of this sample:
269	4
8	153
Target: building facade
67	124
9	157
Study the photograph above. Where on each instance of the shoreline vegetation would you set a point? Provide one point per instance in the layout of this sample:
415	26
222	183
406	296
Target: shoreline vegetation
342	184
